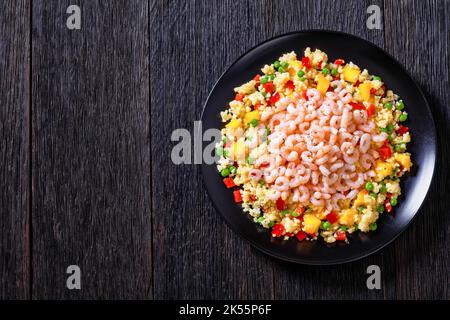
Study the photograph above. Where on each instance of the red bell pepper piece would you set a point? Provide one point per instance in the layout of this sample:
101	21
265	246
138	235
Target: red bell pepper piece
278	230
385	152
257	79
257	105
370	110
300	236
341	235
239	97
237	196
402	130
388	206
269	87
357	106
306	62
332	217
229	182
339	61
290	85
274	98
280	204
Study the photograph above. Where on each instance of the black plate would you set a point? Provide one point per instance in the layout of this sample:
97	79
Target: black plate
414	186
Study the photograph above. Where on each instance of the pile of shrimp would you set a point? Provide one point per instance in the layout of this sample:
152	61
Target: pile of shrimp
320	150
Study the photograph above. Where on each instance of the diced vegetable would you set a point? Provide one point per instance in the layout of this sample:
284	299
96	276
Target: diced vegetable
332	217
278	230
225	172
300	236
229	182
341	235
306	62
280	204
237	196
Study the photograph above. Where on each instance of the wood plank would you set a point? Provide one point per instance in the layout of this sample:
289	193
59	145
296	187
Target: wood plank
196	255
421	41
344	281
91	150
14	149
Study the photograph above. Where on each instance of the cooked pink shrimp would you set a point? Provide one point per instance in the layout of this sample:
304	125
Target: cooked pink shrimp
281	183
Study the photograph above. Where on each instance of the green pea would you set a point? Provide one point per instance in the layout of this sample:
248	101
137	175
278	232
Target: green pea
388	105
294	214
373	226
393	201
264	93
232	169
254	122
271	224
303	78
264	79
325	71
373	194
260	219
284	212
377	78
334	72
400	147
300	73
225	153
224	139
390	138
400	105
219	151
383	188
284	65
271	77
281	70
276	64
390	127
343	228
225	172
380	208
361	209
403	117
325	225
369	186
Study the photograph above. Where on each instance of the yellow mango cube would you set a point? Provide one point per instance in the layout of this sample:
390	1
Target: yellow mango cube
249	116
311	223
295	64
239	150
351	73
347	217
234	124
364	90
383	169
404	159
359	201
322	84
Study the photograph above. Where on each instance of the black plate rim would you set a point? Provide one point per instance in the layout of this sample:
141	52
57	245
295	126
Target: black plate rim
372	250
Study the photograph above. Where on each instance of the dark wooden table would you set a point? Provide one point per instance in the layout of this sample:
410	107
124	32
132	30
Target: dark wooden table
86	178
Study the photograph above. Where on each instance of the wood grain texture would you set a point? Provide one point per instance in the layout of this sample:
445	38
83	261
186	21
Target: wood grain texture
14	149
91	150
195	255
421	41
